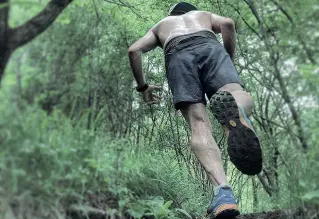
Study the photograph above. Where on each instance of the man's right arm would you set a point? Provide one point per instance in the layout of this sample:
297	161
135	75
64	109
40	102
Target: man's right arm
145	44
226	27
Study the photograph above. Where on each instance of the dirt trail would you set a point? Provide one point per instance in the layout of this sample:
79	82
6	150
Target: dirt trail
92	213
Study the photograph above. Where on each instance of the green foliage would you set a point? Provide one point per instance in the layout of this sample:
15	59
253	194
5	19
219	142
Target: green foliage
26	10
312	196
154	207
53	160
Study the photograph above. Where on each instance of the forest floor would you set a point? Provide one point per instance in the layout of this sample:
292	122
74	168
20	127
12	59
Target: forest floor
93	213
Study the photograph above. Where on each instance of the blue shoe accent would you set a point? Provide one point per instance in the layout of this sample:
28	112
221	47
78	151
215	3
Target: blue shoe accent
245	117
224	204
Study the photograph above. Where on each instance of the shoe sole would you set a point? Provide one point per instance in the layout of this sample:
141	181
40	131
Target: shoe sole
229	214
225	211
243	144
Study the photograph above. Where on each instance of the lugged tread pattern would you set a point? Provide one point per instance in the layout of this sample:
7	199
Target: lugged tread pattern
243	144
229	214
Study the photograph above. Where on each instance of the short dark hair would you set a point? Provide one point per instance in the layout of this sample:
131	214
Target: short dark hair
181	8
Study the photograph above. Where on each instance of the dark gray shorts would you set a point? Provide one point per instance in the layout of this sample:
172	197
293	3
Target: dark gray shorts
197	64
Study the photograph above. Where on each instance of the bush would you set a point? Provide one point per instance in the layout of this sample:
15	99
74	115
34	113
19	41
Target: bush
49	162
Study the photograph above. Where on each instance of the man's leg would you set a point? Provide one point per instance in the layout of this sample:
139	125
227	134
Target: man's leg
207	152
203	144
231	106
243	99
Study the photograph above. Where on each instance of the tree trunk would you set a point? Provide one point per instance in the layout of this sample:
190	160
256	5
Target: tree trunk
4	32
4	58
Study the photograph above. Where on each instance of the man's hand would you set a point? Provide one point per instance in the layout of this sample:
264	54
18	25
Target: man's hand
148	95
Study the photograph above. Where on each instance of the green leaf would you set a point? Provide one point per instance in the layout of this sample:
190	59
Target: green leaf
158	200
167	204
311	195
137	210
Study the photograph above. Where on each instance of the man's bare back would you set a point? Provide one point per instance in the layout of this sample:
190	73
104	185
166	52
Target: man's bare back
190	22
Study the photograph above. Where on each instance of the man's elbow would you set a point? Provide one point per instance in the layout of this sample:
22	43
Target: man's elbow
228	23
132	51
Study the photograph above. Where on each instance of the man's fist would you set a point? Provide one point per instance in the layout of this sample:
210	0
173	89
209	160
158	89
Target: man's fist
148	95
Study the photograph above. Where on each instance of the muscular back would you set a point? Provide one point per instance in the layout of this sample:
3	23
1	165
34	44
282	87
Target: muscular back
190	22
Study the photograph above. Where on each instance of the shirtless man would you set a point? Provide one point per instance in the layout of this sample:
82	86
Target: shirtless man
197	64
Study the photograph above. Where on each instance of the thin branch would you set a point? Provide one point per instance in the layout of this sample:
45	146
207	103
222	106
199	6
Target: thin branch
126	5
97	13
304	46
283	11
253	9
120	3
265	185
248	25
250	3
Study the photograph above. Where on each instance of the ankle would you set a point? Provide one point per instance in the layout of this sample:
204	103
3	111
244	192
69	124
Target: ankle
244	100
217	188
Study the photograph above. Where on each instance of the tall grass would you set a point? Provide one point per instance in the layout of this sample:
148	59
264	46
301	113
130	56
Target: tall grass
49	162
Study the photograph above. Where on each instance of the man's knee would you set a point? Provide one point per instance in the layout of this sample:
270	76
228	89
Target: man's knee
195	114
197	117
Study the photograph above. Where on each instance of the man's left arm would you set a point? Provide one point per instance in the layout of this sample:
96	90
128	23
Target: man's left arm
226	27
143	45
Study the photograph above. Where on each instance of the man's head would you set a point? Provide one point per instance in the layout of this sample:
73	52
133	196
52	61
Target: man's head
181	8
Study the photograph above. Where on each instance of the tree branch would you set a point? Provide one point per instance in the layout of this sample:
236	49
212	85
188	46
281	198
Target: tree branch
304	45
36	25
250	3
283	11
120	3
4	13
292	108
253	9
248	25
265	185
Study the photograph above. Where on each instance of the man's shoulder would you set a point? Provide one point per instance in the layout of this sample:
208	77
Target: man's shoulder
158	24
201	12
165	19
174	18
169	19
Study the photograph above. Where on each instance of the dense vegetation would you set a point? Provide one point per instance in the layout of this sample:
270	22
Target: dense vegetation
75	136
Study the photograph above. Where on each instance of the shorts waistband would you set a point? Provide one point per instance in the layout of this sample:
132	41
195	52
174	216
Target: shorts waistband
189	38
